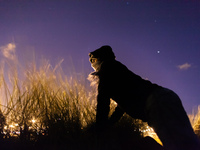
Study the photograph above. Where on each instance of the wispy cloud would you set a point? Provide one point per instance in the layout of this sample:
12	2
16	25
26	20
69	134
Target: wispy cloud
8	50
184	66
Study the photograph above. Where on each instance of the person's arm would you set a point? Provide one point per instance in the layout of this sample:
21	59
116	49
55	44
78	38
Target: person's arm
103	97
103	105
117	114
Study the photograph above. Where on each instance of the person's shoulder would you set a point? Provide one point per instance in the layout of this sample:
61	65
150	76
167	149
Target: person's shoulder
113	66
107	64
119	63
120	66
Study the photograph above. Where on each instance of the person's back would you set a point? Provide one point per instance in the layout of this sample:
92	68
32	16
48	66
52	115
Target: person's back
129	90
160	107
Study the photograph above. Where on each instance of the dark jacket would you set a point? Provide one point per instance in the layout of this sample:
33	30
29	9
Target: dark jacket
129	90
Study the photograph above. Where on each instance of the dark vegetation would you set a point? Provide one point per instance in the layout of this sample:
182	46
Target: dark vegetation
41	108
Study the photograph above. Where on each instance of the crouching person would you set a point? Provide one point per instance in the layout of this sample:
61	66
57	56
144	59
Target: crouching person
141	99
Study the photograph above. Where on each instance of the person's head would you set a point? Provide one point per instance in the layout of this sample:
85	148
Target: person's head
101	54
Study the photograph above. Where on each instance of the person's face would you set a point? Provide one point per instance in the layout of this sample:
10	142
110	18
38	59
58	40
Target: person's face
95	63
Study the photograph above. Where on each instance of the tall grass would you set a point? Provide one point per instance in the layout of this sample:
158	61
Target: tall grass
47	96
40	100
195	120
45	105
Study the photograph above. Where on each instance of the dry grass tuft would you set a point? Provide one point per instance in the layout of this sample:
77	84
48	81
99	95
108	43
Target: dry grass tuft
195	121
42	102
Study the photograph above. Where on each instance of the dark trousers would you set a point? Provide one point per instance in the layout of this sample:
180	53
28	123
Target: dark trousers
166	115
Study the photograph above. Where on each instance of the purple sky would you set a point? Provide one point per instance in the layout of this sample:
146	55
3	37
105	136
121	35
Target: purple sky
158	40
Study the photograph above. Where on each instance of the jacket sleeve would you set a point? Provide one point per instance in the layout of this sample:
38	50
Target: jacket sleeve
103	104
117	114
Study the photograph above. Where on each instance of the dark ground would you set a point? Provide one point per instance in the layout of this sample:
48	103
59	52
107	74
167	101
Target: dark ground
109	140
142	144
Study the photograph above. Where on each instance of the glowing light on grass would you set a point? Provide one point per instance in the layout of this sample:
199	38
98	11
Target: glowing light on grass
33	121
150	132
11	126
195	120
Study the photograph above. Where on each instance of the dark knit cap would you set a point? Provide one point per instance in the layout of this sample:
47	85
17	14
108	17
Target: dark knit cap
103	53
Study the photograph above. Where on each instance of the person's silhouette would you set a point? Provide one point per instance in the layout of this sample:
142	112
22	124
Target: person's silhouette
141	99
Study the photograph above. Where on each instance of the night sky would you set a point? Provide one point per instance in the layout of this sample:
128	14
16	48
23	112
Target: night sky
156	39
